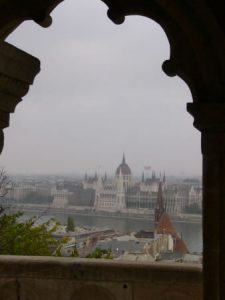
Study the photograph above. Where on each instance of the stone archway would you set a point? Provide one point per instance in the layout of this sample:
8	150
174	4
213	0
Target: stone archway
196	33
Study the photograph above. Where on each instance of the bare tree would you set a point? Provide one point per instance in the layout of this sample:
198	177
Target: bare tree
5	182
5	185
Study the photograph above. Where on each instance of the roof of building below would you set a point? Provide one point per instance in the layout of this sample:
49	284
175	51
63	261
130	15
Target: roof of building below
165	226
145	234
180	246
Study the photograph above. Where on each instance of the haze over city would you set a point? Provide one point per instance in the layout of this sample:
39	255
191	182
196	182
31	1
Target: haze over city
101	92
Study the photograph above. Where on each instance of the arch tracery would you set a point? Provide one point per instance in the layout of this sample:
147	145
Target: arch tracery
196	33
196	39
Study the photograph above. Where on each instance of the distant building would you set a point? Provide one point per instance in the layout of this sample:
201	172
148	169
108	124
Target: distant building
22	190
60	197
122	192
178	197
79	196
195	196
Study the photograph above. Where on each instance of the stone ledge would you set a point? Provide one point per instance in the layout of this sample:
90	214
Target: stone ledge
93	269
39	278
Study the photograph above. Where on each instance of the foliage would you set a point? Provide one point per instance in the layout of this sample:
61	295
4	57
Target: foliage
25	238
70	224
101	253
192	209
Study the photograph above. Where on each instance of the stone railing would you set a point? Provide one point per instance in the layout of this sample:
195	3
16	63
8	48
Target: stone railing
48	278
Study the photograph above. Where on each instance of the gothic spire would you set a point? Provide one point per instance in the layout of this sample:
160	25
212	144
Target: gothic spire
143	177
105	178
159	207
123	160
164	178
153	174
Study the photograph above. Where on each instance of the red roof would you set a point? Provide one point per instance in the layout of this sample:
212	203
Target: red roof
180	246
165	226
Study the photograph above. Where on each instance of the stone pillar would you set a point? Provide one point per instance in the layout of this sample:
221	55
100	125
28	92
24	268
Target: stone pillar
17	71
210	120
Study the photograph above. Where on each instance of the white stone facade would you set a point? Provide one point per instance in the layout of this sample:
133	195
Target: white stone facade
60	198
110	196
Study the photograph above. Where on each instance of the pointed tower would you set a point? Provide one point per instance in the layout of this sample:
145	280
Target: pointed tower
164	182
164	225
105	177
159	207
164	178
143	177
99	183
124	171
123	160
153	174
120	193
120	183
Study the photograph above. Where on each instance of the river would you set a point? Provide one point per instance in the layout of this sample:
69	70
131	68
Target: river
191	232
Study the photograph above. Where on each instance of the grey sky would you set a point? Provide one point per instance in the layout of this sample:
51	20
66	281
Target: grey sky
101	92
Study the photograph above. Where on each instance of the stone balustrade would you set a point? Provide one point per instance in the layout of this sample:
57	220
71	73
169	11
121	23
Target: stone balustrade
48	278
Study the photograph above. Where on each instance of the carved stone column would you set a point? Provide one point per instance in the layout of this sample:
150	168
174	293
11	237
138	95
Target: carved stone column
17	71
210	120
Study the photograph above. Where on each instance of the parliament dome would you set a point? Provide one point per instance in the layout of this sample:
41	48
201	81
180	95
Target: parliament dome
123	168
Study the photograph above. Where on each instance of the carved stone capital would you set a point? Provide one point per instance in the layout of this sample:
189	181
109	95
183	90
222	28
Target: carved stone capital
210	120
17	72
208	117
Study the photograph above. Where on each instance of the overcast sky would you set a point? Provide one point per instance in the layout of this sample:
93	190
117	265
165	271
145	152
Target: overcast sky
101	92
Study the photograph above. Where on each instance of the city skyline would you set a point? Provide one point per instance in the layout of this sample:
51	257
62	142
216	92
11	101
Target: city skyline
101	92
99	171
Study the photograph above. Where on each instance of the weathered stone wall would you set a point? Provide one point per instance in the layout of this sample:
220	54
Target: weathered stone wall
44	278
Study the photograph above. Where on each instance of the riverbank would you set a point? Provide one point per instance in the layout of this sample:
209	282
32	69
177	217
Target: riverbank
189	230
89	211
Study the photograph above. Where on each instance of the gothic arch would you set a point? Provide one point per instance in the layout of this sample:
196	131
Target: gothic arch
197	49
196	33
